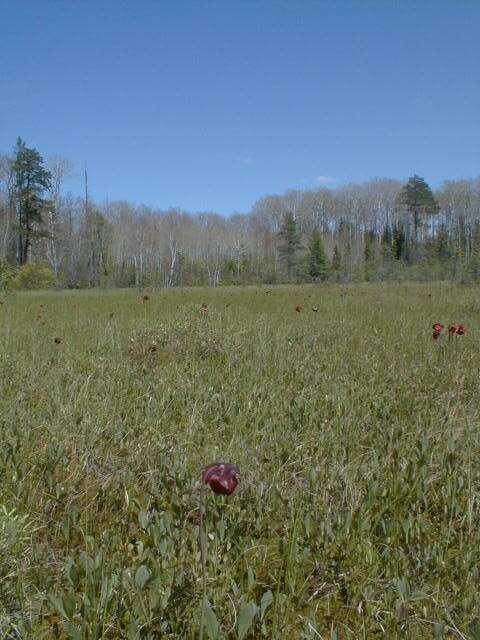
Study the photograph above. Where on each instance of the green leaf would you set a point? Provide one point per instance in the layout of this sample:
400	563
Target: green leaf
473	629
245	619
69	604
133	631
251	578
143	519
211	622
439	630
58	604
141	576
265	602
74	633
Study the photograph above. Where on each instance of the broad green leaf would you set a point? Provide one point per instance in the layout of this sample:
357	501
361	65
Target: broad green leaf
133	631
439	630
143	519
265	602
58	604
245	619
141	576
211	622
69	604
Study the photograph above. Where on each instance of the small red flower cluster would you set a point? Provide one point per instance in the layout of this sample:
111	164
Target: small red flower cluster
453	330
456	329
437	330
221	477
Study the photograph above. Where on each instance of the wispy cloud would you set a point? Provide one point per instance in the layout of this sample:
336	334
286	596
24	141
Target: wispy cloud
246	160
325	180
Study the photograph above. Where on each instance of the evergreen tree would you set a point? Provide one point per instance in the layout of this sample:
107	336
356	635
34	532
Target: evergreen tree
290	244
32	180
443	246
345	235
416	198
474	263
399	246
336	262
317	259
369	254
387	241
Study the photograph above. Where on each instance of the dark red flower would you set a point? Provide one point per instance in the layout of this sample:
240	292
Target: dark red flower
457	329
298	308
222	477
437	327
204	306
146	298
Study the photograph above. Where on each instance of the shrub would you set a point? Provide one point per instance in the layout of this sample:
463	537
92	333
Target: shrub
34	276
7	277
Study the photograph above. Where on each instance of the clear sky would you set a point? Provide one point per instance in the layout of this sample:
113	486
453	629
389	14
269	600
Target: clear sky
208	105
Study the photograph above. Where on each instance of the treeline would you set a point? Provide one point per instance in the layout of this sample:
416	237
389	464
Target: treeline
381	229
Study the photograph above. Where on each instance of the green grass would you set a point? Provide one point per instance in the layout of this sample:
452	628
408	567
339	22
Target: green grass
357	437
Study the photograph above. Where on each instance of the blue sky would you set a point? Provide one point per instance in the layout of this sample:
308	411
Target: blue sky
208	105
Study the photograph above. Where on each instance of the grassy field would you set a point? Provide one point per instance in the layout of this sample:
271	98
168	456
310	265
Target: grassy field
357	436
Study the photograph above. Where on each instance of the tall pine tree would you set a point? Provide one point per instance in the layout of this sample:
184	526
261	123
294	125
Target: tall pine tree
417	199
32	180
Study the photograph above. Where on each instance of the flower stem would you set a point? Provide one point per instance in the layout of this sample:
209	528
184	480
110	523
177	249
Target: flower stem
203	557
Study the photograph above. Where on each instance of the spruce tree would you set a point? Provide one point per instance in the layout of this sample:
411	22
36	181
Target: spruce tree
290	244
32	180
317	259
